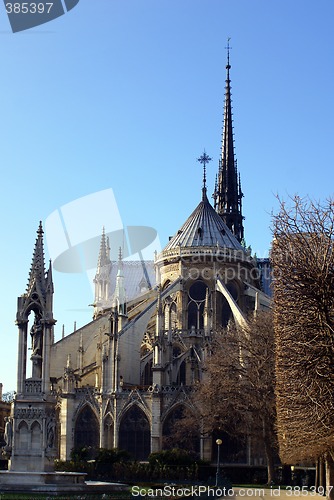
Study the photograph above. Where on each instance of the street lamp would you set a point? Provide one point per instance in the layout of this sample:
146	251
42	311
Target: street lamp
218	477
292	474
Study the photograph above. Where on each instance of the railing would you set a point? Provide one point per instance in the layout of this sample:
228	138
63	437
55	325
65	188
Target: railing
215	253
85	390
164	389
33	386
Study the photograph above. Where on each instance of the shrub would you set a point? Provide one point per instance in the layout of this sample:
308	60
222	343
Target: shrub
175	456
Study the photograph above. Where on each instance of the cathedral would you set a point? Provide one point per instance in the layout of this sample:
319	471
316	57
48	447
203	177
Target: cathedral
122	380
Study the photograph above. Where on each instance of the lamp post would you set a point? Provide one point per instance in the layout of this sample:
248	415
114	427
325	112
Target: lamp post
292	475
218	477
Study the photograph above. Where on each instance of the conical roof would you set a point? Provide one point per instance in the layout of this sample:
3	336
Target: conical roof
204	227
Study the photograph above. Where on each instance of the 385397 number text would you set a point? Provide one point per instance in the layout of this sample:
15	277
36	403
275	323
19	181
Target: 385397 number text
300	491
28	8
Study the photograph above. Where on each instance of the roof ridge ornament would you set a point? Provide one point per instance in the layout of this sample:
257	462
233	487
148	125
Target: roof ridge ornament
204	159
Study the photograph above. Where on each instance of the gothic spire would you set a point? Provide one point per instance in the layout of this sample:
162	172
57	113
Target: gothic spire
37	276
119	297
228	194
39	292
102	276
104	255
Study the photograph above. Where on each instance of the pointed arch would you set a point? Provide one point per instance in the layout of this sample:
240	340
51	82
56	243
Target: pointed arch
192	315
165	285
86	429
36	436
147	372
108	431
23	435
182	374
173	315
170	314
176	433
196	299
166	316
146	363
135	433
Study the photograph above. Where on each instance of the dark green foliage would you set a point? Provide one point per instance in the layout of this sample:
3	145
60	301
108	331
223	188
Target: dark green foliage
174	457
112	456
106	459
82	454
114	465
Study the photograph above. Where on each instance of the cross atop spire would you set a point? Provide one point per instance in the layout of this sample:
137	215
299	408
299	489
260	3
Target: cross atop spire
204	159
228	53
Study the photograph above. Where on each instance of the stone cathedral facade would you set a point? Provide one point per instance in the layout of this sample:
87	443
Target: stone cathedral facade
122	380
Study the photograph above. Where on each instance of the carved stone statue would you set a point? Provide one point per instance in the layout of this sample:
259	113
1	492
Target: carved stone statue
50	433
8	435
36	333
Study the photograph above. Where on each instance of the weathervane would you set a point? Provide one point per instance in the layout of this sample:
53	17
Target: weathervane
204	159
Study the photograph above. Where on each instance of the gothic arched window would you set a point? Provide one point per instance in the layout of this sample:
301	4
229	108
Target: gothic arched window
134	434
177	434
147	375
86	432
196	302
170	314
181	376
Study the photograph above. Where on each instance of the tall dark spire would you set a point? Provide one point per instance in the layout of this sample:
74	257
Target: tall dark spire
228	194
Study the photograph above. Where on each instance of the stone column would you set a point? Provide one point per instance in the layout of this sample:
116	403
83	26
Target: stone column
66	426
22	356
46	357
116	421
156	425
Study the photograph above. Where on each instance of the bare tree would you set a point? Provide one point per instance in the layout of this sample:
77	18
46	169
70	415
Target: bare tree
303	263
183	430
238	393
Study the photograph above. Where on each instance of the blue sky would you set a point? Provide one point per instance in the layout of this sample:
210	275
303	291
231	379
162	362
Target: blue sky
126	94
